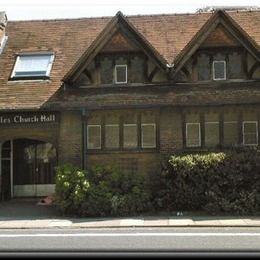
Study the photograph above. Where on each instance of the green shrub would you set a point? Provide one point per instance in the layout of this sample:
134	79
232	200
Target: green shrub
71	189
122	193
102	191
214	182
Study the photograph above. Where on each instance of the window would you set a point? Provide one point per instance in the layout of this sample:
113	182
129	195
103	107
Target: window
94	137
219	70
148	136
32	65
120	74
112	136
130	136
250	133
193	138
211	134
230	133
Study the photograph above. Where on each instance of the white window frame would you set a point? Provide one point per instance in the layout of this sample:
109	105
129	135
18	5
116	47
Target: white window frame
256	125
118	136
96	148
225	69
18	58
199	144
148	146
127	147
120	82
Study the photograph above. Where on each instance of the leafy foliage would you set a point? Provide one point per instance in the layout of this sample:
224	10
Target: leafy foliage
214	182
103	191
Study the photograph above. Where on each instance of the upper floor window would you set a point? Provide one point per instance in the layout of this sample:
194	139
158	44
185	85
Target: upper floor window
210	64
120	68
219	70
121	74
32	66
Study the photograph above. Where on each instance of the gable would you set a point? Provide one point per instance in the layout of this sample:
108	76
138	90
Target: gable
219	29
119	43
220	37
117	31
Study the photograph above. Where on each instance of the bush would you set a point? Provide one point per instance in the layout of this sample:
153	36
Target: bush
121	193
102	191
71	189
215	182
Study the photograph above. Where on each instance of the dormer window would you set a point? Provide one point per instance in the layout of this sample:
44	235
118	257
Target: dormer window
30	66
121	74
219	70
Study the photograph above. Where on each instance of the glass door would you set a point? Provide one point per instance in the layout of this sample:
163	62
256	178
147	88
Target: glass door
34	168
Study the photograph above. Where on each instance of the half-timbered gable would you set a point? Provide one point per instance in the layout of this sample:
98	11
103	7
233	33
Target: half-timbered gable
120	55
221	50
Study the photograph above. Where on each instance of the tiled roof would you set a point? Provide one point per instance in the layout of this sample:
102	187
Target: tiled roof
69	38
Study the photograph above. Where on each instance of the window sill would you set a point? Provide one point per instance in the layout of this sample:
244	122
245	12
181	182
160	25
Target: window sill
23	80
148	150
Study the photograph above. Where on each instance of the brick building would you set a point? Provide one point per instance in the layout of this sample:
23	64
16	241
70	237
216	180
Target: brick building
123	90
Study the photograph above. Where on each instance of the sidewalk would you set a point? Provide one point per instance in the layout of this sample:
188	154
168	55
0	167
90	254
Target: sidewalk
171	221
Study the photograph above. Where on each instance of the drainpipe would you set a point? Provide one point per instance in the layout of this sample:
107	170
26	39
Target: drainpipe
83	127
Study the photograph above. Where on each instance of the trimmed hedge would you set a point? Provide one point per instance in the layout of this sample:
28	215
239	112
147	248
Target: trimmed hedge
214	182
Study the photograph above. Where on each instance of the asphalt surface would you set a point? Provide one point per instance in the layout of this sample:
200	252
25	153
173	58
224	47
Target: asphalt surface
131	240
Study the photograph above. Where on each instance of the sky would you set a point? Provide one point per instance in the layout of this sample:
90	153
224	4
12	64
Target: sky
59	9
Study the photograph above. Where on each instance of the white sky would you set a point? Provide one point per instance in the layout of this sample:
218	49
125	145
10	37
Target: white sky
52	9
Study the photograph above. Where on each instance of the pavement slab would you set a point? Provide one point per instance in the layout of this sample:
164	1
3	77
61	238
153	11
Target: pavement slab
132	222
60	223
155	221
175	221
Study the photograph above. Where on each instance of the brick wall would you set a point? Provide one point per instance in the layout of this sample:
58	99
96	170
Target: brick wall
170	130
141	162
70	145
43	133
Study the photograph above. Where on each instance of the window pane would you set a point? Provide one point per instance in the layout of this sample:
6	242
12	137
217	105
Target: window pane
250	132
231	133
94	137
193	134
148	135
112	136
219	70
130	135
211	134
121	74
32	65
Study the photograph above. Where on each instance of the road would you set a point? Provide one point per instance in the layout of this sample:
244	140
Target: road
131	240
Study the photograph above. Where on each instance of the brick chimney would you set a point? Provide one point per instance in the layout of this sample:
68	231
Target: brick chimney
3	23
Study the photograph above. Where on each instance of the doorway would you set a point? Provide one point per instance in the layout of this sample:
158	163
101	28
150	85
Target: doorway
31	171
